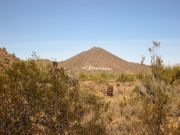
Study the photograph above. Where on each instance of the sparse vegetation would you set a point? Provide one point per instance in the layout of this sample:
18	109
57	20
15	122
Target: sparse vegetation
95	76
105	76
125	78
38	97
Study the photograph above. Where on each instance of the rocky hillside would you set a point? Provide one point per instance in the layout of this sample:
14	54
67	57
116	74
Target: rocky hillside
98	59
6	58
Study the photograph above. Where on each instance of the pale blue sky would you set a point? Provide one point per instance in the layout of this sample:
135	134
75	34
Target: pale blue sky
61	28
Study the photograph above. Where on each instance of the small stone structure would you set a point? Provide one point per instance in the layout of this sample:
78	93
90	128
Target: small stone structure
110	90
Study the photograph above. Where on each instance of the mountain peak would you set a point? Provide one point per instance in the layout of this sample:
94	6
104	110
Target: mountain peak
96	49
98	58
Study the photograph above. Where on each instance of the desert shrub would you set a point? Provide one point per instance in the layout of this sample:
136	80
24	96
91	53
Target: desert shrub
31	99
176	75
4	49
13	54
94	76
94	120
106	76
154	98
168	74
117	84
82	76
139	76
42	99
125	78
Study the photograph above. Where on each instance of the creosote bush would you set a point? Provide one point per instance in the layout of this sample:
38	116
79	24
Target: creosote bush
38	99
153	98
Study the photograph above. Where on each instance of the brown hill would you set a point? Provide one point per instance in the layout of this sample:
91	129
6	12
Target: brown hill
98	59
6	58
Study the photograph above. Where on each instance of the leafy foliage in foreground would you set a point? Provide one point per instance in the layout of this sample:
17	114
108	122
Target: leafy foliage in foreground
38	99
154	97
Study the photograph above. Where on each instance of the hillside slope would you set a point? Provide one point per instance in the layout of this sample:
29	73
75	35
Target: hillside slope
98	59
6	58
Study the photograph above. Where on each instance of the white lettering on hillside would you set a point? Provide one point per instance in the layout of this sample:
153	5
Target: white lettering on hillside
96	68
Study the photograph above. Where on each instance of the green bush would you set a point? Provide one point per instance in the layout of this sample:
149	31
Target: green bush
82	77
125	78
95	76
106	76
